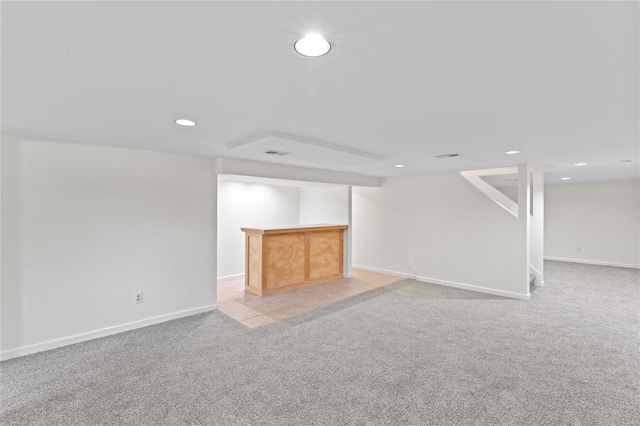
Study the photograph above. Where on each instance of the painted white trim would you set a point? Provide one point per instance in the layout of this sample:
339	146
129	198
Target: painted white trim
475	178
230	277
385	271
593	262
538	275
436	281
476	288
346	275
90	335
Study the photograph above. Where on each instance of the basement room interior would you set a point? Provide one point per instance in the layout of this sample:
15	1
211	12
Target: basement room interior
320	213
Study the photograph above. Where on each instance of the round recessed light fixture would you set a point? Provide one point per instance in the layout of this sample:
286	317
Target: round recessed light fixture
512	152
185	122
398	166
565	178
312	45
580	164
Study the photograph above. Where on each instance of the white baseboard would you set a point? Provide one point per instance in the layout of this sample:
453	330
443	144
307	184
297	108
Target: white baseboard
470	287
347	275
77	338
477	288
230	277
593	262
385	271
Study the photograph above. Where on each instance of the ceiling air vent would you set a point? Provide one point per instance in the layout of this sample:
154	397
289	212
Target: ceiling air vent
448	155
278	153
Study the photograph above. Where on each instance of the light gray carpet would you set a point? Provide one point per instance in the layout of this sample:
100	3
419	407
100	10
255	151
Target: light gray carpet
408	353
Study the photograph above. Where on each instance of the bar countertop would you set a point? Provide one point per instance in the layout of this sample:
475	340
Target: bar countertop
294	228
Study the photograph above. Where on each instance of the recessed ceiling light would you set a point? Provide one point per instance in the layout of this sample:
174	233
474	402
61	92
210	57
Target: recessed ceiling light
512	152
312	45
185	122
565	178
399	166
580	164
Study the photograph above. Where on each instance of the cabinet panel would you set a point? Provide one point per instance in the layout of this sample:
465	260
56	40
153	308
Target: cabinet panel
325	255
253	276
284	257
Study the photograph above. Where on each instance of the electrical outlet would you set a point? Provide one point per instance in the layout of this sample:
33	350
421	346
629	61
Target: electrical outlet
578	249
137	297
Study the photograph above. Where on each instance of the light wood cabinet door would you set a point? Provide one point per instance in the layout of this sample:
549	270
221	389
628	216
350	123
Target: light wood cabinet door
325	255
284	257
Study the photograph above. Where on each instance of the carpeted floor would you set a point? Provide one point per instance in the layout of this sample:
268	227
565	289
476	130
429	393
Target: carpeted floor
409	353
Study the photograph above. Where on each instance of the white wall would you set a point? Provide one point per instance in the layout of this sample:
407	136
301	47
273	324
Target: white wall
439	228
510	191
384	226
324	205
84	227
250	205
602	218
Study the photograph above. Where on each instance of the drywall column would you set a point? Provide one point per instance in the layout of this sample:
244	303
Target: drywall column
524	201
348	235
537	226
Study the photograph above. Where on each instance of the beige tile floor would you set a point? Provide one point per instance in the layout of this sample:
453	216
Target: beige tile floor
254	311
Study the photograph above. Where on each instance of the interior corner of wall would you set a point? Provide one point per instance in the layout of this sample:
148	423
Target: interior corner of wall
218	162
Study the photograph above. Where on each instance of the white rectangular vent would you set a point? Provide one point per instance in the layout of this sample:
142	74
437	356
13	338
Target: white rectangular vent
274	152
448	155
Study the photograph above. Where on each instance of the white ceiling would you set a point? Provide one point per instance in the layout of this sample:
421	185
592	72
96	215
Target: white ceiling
404	81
